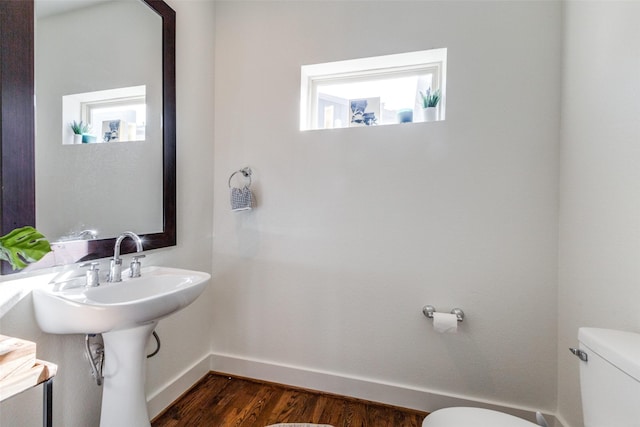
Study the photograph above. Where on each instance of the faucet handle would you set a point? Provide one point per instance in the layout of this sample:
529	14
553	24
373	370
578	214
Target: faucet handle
93	279
92	265
134	268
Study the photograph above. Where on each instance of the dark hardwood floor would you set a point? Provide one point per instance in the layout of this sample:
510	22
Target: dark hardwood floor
220	400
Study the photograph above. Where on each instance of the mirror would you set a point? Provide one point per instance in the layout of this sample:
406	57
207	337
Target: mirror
97	63
65	189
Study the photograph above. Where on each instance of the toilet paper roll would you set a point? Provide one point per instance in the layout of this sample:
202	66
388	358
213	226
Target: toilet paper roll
445	323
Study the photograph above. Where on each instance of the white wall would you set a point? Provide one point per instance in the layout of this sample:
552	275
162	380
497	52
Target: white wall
599	186
356	229
76	397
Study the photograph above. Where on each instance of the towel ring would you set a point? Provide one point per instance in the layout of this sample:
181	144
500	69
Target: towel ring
246	172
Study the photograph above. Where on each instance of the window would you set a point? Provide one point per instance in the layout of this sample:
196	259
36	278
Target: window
372	91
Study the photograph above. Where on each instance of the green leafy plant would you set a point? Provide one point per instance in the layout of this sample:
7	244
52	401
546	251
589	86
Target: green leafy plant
23	246
80	128
430	99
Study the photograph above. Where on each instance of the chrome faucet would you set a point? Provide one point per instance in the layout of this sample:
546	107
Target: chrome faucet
88	234
115	267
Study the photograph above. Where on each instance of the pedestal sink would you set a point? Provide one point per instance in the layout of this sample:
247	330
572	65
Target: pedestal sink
125	313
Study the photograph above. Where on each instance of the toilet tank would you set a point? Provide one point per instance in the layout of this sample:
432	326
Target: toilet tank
610	378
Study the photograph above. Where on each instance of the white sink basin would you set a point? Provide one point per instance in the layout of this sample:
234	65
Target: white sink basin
125	313
159	292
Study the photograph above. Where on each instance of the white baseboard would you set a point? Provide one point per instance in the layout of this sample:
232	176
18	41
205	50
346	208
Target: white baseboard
329	382
163	398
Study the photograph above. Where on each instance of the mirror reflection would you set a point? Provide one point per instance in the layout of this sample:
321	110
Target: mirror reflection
113	115
98	66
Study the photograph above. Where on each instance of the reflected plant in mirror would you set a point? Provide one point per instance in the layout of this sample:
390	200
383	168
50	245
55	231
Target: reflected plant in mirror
79	130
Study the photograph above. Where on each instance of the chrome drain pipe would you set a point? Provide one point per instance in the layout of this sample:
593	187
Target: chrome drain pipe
92	352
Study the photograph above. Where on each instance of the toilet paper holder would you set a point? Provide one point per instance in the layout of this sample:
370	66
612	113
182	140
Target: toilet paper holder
428	311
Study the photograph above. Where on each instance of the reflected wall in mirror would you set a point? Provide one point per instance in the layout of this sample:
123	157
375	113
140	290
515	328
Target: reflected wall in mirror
94	191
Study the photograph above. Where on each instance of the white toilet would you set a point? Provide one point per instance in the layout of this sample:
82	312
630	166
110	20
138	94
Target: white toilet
609	383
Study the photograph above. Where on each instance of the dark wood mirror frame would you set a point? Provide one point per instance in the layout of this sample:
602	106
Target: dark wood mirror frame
17	130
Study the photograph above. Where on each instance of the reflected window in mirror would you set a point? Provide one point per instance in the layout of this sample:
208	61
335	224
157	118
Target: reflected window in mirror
115	115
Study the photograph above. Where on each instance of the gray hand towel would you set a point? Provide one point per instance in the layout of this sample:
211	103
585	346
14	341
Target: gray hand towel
241	199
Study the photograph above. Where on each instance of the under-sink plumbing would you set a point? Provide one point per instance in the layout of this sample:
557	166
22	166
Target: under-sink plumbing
95	355
157	350
94	352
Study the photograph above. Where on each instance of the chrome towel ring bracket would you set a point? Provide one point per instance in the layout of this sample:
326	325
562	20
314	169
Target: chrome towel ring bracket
246	172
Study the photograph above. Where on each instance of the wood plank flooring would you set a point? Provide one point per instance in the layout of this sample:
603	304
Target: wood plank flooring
220	400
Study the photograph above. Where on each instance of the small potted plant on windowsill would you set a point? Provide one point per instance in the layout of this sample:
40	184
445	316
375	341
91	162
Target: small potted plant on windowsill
430	102
80	130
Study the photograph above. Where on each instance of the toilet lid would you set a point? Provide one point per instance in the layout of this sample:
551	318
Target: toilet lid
476	417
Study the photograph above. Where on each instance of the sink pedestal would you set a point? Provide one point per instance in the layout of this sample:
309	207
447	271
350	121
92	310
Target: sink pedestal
124	400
